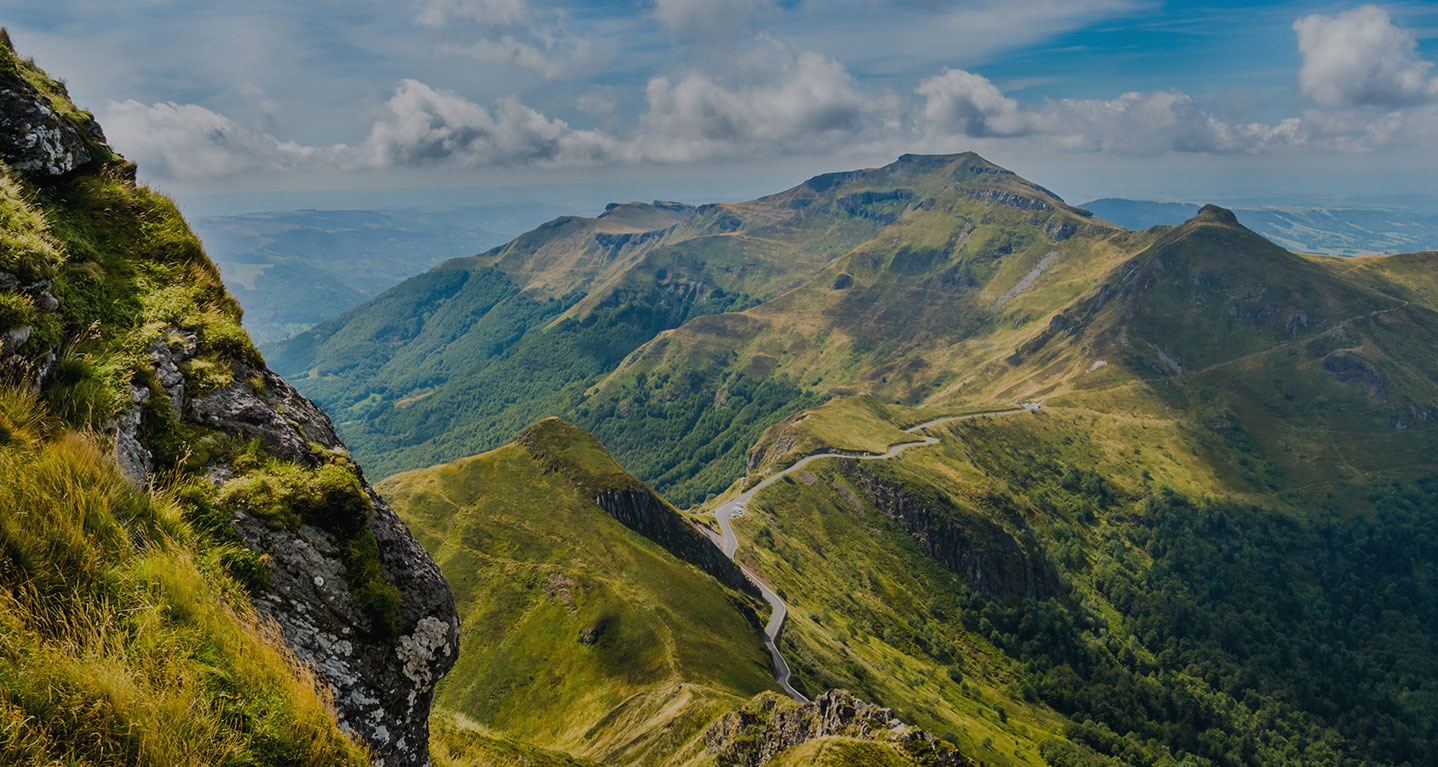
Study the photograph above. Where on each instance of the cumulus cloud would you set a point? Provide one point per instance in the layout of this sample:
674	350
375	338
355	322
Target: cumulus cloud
437	13
962	103
423	126
1361	59
707	19
808	102
186	141
969	103
418	126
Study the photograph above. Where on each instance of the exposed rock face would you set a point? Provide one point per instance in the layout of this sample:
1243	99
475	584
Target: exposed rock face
754	736
645	513
1347	367
15	355
382	686
1011	199
34	140
991	560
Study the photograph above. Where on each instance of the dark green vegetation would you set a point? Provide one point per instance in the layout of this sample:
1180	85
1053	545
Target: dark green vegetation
1342	231
293	269
579	633
1177	627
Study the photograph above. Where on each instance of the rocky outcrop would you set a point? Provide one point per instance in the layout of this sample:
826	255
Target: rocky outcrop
647	514
871	205
995	196
34	139
1347	367
761	731
382	685
993	562
19	354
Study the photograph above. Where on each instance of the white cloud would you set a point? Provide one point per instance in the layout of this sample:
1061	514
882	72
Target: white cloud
552	57
966	104
186	141
422	126
437	13
969	103
1361	59
806	103
598	102
707	19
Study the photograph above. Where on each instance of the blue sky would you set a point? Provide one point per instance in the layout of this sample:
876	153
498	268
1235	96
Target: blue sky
325	103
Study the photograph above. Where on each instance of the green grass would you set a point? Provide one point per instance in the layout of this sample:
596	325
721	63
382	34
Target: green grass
884	620
578	634
123	640
26	248
458	742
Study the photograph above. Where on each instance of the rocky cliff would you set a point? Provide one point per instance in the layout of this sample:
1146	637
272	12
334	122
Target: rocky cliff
109	309
569	450
993	561
647	514
755	735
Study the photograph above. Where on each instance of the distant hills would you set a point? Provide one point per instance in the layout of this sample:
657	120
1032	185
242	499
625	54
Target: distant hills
678	333
1334	231
292	269
427	371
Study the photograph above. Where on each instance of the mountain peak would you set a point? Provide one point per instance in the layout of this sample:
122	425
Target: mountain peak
1213	214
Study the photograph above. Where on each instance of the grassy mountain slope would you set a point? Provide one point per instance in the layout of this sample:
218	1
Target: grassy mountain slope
1227	492
977	259
845	260
127	634
580	633
1194	614
1239	497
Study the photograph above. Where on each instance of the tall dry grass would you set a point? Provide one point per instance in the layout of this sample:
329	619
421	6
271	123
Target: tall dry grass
122	640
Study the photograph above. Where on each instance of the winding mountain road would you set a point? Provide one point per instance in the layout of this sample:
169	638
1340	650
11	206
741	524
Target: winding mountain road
729	544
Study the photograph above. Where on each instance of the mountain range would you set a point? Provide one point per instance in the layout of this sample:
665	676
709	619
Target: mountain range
1227	459
910	465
